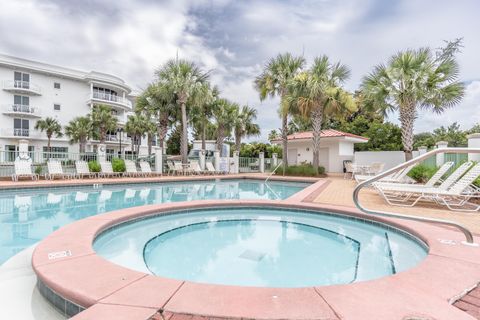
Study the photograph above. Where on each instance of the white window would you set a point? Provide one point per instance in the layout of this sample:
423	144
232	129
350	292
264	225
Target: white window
22	80
56	107
56	85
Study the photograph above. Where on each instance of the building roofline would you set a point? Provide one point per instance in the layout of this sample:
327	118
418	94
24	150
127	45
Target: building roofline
50	69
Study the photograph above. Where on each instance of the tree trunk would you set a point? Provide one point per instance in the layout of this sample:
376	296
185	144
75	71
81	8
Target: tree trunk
162	129
285	141
184	140
220	138
407	119
49	137
238	142
82	145
149	143
317	115
204	134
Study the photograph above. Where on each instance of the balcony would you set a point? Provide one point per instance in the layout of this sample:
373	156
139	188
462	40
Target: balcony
21	87
110	99
21	133
22	110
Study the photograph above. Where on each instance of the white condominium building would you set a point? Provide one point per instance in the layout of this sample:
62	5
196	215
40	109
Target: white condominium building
33	90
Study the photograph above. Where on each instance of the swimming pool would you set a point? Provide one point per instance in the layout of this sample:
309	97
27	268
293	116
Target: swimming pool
261	247
29	215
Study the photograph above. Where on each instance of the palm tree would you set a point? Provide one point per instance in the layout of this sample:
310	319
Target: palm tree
103	121
224	115
136	128
158	102
184	79
316	93
51	127
412	80
202	111
273	81
79	130
243	124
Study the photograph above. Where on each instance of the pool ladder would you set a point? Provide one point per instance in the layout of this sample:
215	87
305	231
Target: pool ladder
273	171
468	234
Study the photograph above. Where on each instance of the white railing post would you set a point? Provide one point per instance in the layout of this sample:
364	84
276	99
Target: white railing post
422	150
274	160
158	159
101	152
261	157
216	156
236	162
473	142
201	159
441	156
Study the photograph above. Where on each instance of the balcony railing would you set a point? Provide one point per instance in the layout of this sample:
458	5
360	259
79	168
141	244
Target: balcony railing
110	98
20	133
21	86
21	109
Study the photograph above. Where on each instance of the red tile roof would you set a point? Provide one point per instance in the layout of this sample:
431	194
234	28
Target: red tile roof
330	133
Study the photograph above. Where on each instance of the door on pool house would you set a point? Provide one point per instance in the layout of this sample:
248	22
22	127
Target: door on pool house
292	156
323	158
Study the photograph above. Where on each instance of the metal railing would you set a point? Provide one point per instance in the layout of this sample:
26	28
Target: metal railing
110	98
21	108
21	85
248	164
356	192
273	171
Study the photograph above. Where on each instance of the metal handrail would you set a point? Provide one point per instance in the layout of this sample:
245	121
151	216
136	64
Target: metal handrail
356	192
273	171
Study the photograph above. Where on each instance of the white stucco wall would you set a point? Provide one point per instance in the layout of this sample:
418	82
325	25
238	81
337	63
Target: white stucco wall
73	95
332	153
390	158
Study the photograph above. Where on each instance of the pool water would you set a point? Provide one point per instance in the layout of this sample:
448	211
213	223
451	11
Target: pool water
29	215
263	247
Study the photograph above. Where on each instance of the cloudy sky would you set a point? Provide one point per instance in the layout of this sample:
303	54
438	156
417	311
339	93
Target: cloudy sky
131	38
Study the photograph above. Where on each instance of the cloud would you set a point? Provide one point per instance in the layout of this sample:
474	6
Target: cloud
131	38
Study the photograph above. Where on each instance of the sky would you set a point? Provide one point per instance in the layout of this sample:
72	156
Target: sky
234	39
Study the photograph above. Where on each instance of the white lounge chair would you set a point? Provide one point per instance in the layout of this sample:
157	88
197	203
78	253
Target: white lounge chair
23	169
55	170
179	168
82	170
211	168
107	170
196	168
131	169
146	170
436	177
454	197
398	177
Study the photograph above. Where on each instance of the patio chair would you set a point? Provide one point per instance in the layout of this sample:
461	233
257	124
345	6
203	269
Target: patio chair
23	168
351	169
398	177
171	168
437	177
454	197
106	170
179	168
196	168
82	169
375	168
55	170
211	168
147	170
131	169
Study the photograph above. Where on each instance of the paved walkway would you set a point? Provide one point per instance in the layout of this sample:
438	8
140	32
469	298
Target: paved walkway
339	192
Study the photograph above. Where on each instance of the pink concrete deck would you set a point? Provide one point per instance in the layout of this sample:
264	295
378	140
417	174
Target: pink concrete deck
110	291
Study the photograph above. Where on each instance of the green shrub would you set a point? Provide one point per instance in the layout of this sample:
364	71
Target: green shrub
421	173
94	166
38	170
304	170
118	165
